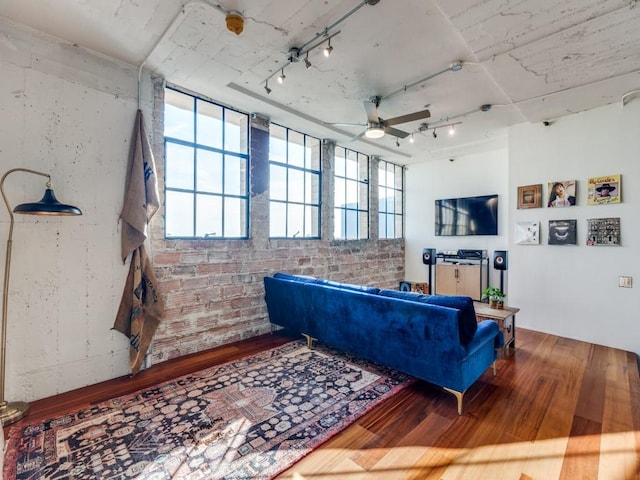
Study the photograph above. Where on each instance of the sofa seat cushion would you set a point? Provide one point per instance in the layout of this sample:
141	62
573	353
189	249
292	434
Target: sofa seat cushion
330	283
467	324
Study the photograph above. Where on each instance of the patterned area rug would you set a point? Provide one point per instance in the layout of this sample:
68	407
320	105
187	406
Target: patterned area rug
248	419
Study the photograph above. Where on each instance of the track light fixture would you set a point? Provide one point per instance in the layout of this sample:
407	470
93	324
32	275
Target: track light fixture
411	139
307	63
281	77
328	49
435	135
452	130
266	87
397	142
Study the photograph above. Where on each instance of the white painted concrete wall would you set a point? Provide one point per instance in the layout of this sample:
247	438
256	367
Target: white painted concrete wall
573	291
68	113
468	175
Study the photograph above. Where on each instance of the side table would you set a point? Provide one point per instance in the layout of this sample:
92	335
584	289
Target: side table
506	318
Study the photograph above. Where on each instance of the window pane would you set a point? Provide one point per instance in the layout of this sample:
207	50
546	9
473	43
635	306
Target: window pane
209	216
352	165
397	177
398	227
179	166
277	219
352	194
278	181
236	131
340	164
235	176
277	144
382	225
295	220
296	185
179	214
339	222
178	115
209	124
363	226
312	188
296	149
235	217
312	215
340	192
209	172
351	224
313	153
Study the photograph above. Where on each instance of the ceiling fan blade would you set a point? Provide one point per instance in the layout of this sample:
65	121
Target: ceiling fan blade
395	132
345	124
372	111
358	137
410	117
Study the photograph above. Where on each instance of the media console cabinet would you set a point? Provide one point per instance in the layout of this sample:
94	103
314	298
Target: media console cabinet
465	272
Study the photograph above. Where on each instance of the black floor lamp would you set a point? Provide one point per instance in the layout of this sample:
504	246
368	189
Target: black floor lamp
13	411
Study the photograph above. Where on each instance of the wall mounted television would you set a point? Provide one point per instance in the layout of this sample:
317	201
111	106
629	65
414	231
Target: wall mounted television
467	216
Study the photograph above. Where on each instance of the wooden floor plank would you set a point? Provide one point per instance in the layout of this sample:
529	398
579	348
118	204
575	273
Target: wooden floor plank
558	409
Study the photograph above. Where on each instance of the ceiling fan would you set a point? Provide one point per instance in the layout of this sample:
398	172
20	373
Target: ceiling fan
377	127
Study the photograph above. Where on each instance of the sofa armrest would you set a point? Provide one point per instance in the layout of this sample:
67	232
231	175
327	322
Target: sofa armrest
488	331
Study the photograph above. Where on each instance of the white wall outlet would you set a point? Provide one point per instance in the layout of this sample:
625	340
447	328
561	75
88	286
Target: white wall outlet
624	281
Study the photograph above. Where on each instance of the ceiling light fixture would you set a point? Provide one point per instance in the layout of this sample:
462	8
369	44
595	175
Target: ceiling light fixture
266	87
328	49
435	135
411	140
281	77
374	131
307	63
452	130
397	142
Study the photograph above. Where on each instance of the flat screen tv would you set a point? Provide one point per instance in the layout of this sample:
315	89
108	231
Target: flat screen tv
467	216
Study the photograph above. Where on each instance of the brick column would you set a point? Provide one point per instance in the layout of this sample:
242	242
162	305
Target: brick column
259	178
328	185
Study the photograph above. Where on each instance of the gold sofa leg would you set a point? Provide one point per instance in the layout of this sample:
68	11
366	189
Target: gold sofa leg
310	340
495	370
458	396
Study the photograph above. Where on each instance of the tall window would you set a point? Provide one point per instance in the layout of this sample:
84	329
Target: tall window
206	169
391	192
294	169
351	196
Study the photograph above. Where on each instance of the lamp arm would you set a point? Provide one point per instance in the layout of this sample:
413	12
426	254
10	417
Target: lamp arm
7	270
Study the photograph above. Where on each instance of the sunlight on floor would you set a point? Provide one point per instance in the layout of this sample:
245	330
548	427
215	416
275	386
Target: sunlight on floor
616	454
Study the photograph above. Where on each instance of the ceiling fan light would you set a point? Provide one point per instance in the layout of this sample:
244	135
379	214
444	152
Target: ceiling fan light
374	132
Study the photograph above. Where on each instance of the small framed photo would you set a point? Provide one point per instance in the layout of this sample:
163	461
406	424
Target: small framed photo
527	233
530	196
562	193
604	190
562	232
603	231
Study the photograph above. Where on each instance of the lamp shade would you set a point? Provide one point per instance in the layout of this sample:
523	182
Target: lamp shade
48	205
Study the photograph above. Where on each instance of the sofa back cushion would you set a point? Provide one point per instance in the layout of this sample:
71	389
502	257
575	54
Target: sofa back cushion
467	324
322	281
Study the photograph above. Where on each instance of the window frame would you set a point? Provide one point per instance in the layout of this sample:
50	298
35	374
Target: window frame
305	170
225	157
398	213
361	182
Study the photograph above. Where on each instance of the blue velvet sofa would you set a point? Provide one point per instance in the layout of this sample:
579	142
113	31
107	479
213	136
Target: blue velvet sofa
432	337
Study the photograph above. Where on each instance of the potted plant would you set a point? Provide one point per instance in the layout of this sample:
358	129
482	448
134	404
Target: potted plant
495	296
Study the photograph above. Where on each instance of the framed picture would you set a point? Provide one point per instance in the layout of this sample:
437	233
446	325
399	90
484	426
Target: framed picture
604	190
603	231
527	233
562	232
530	196
562	193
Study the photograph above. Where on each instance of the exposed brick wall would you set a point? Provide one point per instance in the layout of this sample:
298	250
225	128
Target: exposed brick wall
213	289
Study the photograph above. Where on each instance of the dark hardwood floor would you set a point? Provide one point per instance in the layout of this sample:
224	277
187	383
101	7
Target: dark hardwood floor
558	409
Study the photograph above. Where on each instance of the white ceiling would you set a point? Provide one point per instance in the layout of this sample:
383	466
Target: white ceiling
533	60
